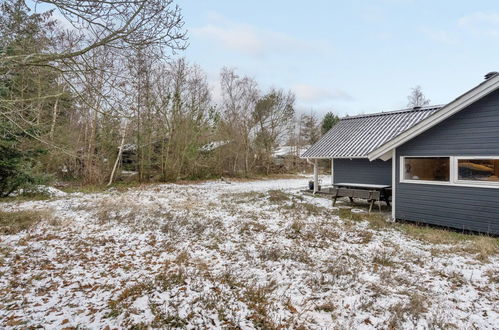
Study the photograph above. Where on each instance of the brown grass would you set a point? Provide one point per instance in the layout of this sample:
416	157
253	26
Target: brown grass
347	214
383	258
327	307
304	209
433	235
278	196
252	226
483	246
413	309
243	197
17	221
493	275
365	236
258	300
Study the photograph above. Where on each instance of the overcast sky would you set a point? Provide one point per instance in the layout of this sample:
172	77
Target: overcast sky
348	56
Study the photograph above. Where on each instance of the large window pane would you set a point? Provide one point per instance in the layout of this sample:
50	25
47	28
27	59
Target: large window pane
427	168
478	169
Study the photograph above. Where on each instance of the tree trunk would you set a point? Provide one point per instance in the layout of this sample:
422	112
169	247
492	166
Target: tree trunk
120	150
54	118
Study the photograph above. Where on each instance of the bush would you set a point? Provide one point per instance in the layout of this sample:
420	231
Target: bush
16	169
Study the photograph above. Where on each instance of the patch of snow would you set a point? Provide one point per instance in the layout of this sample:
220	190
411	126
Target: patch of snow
213	145
47	190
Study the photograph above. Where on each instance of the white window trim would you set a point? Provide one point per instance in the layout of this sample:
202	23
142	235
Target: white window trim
472	182
454	181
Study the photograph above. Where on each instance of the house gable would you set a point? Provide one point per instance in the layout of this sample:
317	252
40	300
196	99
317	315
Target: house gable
474	131
482	90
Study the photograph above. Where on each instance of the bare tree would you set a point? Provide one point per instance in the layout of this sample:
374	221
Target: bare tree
118	24
310	131
240	95
417	98
274	114
51	70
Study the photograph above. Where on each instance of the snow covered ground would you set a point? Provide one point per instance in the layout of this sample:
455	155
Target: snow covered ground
247	254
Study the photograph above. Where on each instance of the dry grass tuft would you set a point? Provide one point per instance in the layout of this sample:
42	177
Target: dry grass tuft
365	236
304	209
244	197
278	196
17	221
383	258
258	300
164	281
493	275
278	253
483	246
377	221
327	307
295	229
252	226
433	235
347	214
412	310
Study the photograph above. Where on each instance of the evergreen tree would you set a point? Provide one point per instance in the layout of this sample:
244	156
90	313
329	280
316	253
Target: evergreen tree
22	91
329	120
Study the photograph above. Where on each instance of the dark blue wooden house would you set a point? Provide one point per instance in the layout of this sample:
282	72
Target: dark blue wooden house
442	162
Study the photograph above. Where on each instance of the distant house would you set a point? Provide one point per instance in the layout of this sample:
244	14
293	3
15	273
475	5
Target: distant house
288	157
213	146
442	162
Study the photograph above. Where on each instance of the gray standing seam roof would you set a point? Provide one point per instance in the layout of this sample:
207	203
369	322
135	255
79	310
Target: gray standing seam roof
357	136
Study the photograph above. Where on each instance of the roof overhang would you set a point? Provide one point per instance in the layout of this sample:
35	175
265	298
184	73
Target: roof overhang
450	109
356	157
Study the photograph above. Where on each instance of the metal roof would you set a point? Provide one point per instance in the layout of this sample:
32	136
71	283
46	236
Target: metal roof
357	136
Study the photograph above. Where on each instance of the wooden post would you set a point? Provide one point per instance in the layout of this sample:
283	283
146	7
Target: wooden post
332	171
316	176
394	180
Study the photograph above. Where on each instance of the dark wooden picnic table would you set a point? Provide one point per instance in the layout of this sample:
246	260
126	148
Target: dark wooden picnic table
385	190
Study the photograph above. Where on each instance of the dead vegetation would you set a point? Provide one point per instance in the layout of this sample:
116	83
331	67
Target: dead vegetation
278	196
482	246
252	260
17	221
384	258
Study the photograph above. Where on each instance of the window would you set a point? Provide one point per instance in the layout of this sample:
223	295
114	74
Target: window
427	168
463	171
483	169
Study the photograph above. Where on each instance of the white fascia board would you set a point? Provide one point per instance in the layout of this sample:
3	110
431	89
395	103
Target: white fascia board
386	156
356	157
450	109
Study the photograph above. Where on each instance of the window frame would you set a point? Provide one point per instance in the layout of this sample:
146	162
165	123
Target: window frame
473	182
453	175
402	174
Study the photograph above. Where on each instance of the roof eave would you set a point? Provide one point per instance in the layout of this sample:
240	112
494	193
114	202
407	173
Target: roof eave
342	157
450	109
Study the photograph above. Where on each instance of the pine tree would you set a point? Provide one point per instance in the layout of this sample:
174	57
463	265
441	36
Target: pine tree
329	120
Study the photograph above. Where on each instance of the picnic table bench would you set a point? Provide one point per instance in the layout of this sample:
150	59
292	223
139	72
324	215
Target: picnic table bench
371	192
